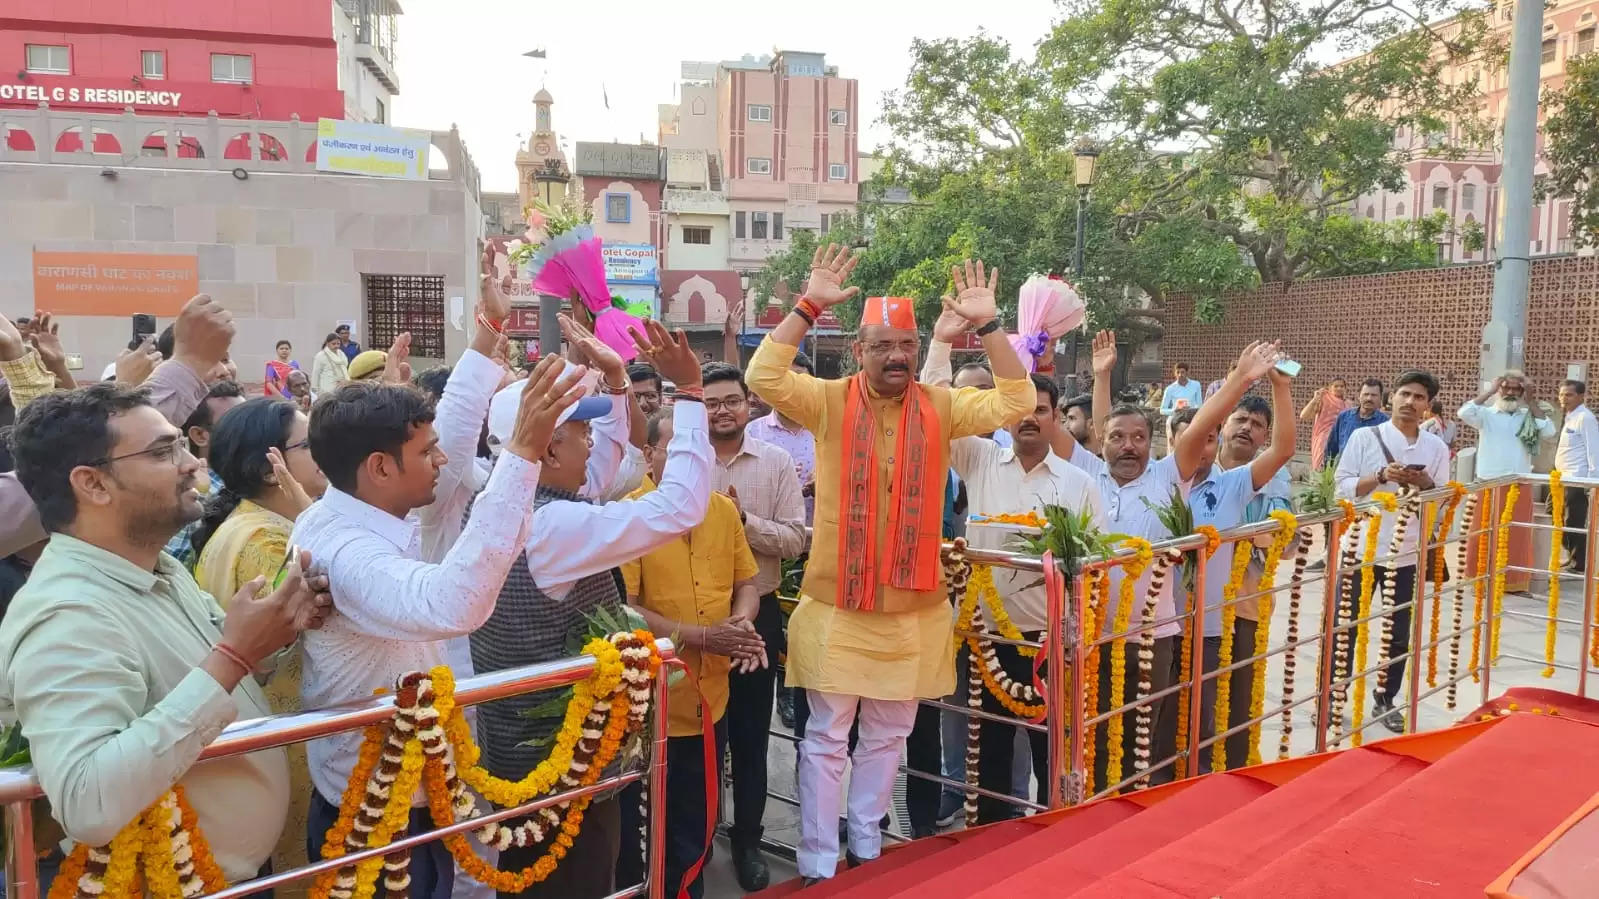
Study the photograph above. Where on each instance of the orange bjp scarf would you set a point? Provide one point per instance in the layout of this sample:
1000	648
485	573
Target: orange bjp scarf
915	521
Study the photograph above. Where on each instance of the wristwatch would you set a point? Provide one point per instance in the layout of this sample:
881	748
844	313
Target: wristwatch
989	328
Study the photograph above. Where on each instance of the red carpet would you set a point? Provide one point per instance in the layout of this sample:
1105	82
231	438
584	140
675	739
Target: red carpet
1452	829
1204	862
1436	814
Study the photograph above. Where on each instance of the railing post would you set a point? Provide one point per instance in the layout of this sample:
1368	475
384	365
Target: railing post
1196	657
1330	588
656	882
1486	659
1585	638
22	858
1059	632
1418	603
1077	778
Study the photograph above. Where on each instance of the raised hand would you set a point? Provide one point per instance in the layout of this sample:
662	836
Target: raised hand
830	268
1104	353
397	367
135	365
951	324
12	346
1257	359
46	338
287	483
669	353
735	315
202	334
974	293
544	397
594	350
494	292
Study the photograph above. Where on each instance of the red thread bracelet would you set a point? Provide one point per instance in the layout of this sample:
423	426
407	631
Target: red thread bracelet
486	322
235	657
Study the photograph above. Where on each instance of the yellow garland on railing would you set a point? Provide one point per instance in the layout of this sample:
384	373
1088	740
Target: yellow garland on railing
1458	594
1274	554
1132	569
982	584
1557	512
1501	562
1224	656
1481	594
144	847
1457	491
1196	613
1368	579
1092	616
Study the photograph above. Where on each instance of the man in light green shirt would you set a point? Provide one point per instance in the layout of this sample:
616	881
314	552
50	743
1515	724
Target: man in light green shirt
120	669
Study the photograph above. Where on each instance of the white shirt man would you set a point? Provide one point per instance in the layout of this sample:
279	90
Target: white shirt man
1500	449
1578	453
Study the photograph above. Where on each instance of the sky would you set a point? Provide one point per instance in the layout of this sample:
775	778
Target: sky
460	61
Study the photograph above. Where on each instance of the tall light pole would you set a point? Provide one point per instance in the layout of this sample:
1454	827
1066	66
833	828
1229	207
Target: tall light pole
1086	156
1505	336
549	185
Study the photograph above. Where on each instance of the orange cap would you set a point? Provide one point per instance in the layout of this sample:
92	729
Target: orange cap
894	312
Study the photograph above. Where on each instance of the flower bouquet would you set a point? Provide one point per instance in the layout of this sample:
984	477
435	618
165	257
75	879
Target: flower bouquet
1046	308
562	256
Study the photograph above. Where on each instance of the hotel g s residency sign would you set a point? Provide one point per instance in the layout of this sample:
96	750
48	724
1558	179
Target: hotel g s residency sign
97	94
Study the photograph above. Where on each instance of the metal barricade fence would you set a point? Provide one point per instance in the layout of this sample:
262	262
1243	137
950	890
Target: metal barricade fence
19	787
1335	694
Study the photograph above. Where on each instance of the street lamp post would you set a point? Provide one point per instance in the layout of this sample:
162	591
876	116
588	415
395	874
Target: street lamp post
549	180
1086	155
743	299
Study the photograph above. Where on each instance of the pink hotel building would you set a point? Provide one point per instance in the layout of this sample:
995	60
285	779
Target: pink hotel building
756	148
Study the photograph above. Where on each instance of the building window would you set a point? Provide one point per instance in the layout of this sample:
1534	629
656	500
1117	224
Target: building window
760	225
759	112
232	68
777	226
1399	210
398	303
1585	41
1440	197
49	59
619	208
738	226
696	235
838	116
822	229
1548	55
759	165
382	116
838	172
1468	196
154	63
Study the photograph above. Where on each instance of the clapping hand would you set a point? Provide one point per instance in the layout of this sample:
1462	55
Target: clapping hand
830	268
11	343
1104	353
494	292
46	339
951	324
669	352
135	365
594	351
736	638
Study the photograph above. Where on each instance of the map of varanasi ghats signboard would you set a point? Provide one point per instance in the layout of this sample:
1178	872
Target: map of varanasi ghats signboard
113	283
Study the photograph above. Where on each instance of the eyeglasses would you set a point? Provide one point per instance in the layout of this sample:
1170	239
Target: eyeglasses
303	444
885	347
172	451
731	404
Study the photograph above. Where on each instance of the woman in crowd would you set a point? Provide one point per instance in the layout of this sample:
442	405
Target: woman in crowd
330	367
1439	422
262	453
277	370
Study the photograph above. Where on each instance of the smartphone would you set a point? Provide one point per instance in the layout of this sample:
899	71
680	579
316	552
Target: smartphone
283	569
1418	466
143	325
74	362
1289	367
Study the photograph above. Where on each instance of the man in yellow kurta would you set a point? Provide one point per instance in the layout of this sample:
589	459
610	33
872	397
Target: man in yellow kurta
872	632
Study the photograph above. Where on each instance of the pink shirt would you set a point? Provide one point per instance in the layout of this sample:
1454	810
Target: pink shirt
1322	427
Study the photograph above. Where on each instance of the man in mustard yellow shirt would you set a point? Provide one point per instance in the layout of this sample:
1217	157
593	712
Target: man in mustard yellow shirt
699	588
872	632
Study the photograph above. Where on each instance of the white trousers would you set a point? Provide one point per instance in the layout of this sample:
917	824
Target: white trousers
884	725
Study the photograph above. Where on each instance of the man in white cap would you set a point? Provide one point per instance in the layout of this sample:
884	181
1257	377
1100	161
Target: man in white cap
570	568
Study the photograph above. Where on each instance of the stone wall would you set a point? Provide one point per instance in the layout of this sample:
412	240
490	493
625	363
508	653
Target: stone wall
285	252
1380	325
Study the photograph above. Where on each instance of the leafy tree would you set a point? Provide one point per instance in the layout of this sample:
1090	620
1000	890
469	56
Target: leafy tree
1571	146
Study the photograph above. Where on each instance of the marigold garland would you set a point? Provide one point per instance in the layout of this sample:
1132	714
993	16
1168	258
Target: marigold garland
1185	697
160	853
1368	579
1224	656
1501	563
1289	525
1132	569
1143	720
965	583
982	583
1446	522
1296	585
1557	513
1479	604
1459	601
1344	619
1093	615
1390	587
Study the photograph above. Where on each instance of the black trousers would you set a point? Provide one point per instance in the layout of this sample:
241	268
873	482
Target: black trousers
1241	687
1576	517
749	723
997	744
588	870
432	868
684	836
1160	679
1404	592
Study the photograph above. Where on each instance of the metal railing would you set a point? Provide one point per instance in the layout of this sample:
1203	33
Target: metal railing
1328	685
19	787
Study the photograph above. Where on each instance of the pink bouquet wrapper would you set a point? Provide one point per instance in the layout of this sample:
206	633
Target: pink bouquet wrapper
1045	309
570	265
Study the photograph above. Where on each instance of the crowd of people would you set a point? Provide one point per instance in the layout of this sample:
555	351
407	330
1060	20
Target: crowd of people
178	556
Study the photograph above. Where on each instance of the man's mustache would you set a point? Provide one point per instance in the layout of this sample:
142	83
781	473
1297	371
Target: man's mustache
896	366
